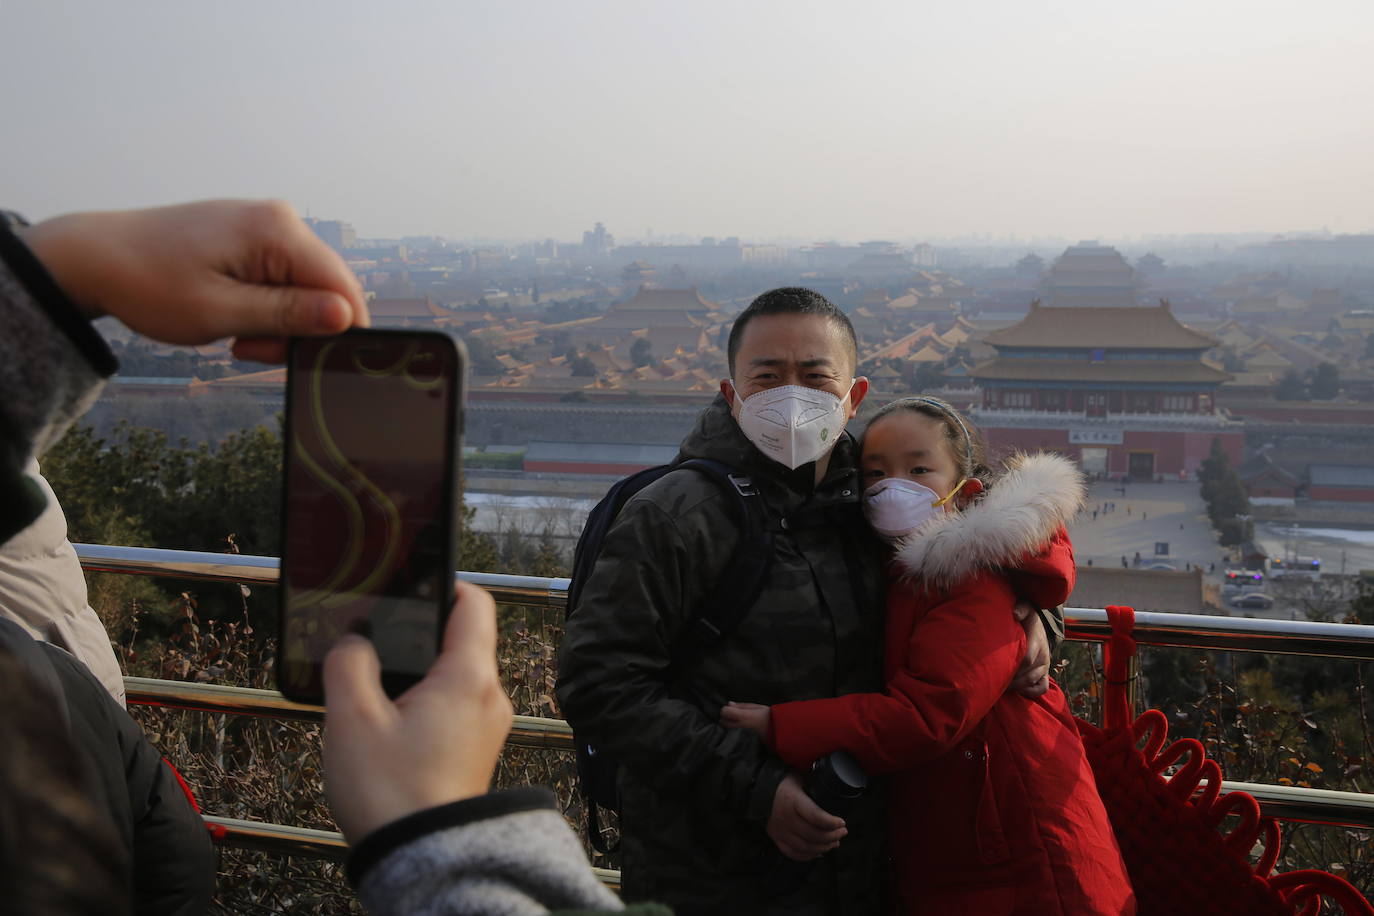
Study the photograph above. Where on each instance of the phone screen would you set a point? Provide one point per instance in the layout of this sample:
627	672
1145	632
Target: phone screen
370	485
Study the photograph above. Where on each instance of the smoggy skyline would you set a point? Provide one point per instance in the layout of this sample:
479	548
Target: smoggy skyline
766	120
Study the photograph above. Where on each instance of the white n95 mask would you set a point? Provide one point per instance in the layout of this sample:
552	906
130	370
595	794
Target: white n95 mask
896	507
792	424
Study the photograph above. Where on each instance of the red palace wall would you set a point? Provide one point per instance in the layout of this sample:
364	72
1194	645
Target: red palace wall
1342	494
584	467
1175	453
1271	490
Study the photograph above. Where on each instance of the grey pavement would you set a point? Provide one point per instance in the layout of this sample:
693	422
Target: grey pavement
1171	512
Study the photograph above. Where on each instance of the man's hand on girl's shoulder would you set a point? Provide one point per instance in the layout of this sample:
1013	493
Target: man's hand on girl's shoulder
1033	677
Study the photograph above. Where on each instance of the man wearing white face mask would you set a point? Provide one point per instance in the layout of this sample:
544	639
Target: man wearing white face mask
709	813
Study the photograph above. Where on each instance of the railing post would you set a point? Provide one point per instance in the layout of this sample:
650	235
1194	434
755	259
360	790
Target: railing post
1133	707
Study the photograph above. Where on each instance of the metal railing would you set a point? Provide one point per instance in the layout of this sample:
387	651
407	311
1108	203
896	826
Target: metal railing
1237	634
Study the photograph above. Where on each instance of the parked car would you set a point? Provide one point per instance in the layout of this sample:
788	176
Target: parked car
1256	600
1168	566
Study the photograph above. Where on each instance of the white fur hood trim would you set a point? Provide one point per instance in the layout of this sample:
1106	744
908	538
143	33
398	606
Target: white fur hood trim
1020	512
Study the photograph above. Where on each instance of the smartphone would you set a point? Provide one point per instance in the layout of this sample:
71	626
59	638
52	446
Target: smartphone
369	501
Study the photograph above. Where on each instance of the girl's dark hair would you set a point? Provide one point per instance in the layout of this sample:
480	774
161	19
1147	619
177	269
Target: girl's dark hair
965	444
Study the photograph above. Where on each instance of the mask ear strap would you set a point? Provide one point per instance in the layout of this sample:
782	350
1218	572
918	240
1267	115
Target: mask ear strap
952	493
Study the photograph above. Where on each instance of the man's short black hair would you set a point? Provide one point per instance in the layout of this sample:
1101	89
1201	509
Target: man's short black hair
791	300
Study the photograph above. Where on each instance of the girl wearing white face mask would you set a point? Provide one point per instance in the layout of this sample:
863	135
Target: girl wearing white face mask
994	807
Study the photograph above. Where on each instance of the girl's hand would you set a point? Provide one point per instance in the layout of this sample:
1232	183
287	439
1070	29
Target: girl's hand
752	716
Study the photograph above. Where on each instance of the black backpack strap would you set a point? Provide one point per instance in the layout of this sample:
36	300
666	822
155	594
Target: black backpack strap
740	583
594	834
599	522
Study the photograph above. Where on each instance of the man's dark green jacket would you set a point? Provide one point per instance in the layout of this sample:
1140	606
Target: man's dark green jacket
697	796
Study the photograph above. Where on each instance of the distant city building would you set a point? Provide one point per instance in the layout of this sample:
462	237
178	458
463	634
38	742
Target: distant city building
1124	390
710	256
1089	274
868	257
335	233
378	253
1335	251
879	261
763	255
597	242
480	260
924	255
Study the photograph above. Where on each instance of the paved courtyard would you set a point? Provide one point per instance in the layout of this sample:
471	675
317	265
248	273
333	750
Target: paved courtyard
1147	513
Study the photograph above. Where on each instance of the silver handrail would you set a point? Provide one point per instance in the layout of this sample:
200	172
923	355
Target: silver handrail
1287	637
526	731
231	567
1198	631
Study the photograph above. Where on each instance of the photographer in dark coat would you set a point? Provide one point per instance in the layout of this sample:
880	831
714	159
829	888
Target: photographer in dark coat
91	822
161	852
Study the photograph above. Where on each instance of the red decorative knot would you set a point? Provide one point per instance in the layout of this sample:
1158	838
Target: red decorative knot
1167	825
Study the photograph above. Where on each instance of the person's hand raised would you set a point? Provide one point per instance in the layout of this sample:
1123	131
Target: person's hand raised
436	743
195	273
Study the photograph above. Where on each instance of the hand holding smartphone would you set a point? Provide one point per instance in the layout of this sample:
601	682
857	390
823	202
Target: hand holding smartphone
370	501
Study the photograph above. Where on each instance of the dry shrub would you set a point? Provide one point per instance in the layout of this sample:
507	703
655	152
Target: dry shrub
269	771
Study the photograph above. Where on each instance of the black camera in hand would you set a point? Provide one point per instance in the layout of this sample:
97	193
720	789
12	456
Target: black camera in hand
835	783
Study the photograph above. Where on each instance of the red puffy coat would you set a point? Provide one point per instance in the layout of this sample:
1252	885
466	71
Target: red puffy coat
994	807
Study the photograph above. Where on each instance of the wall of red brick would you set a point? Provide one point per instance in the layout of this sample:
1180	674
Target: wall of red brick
1271	489
583	467
1175	453
1341	494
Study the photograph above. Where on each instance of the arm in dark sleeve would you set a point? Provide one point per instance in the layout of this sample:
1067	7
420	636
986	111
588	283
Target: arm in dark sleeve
52	363
961	656
614	670
173	861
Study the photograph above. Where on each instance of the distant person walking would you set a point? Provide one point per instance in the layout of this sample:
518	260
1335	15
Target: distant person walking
1124	564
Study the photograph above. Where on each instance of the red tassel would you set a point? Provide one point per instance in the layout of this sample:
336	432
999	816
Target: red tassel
1167	826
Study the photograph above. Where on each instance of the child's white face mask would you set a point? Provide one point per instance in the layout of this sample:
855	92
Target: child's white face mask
897	507
793	424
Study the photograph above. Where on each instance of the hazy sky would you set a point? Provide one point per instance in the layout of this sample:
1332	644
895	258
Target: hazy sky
845	120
